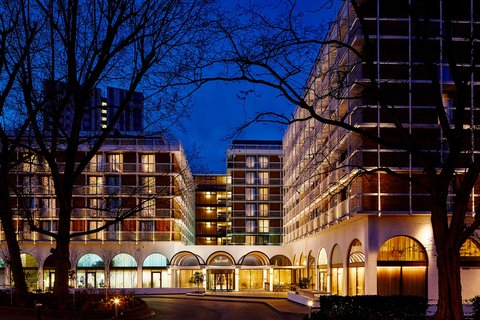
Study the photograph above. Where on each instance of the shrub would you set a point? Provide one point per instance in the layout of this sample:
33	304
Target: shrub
371	308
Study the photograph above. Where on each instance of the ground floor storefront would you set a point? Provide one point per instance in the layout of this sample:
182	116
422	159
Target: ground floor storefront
369	255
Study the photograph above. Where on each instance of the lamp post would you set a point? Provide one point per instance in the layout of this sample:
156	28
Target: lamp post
310	305
116	302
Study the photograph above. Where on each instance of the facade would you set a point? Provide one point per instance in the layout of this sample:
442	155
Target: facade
371	234
146	177
254	185
284	212
211	209
99	110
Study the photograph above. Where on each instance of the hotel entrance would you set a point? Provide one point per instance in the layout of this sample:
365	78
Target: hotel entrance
221	272
221	280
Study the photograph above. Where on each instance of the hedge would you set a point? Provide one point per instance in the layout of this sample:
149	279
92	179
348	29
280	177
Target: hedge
371	308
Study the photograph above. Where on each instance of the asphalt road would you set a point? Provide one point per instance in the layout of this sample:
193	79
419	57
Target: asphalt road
171	308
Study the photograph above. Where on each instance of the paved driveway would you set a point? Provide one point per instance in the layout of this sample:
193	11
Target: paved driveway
172	308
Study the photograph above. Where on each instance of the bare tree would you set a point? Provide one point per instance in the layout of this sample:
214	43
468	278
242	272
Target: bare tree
279	52
17	34
86	45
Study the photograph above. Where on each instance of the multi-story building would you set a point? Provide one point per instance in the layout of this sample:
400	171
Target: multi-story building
211	209
371	233
144	176
99	110
254	181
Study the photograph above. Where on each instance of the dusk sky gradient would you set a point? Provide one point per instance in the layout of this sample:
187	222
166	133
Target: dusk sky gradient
217	110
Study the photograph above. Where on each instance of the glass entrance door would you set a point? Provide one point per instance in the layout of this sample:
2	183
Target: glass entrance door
221	281
156	280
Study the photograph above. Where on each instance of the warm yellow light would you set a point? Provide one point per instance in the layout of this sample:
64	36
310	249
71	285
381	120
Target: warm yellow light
116	301
310	303
208	194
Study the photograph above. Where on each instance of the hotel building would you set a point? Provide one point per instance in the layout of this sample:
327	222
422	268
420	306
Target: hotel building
371	234
284	211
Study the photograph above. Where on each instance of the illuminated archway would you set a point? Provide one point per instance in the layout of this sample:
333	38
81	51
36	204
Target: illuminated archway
184	265
282	272
253	270
220	272
123	271
2	272
323	271
30	269
90	271
470	254
402	267
356	269
336	268
154	271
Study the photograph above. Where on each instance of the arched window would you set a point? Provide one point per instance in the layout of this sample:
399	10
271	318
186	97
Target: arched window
123	271
154	270
336	268
402	267
30	269
322	271
90	271
356	269
470	254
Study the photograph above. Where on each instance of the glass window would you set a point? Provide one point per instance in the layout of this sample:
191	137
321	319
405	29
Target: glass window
148	208
263	210
47	184
146	225
263	177
96	164
155	260
148	162
249	193
263	225
250	225
250	210
95	185
263	161
250	161
263	194
116	162
250	178
149	184
250	240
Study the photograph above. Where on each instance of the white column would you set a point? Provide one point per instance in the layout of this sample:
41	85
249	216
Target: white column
139	277
237	279
270	271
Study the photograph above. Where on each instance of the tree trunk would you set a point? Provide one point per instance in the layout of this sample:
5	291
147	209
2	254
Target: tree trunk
449	282
62	259
15	261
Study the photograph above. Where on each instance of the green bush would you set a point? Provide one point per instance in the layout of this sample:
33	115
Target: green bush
371	308
476	307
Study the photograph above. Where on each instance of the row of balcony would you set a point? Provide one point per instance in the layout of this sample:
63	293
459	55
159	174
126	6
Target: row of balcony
107	236
109	168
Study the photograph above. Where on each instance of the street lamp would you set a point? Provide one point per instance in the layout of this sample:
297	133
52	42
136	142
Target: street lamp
116	302
310	305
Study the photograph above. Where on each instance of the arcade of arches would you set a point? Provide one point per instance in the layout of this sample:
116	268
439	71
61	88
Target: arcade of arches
400	269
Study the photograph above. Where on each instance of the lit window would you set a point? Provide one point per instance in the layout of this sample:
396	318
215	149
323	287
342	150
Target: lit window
250	210
263	161
148	162
263	225
47	183
96	164
149	184
263	210
148	208
250	225
250	178
250	161
263	177
263	193
249	240
115	160
249	193
95	185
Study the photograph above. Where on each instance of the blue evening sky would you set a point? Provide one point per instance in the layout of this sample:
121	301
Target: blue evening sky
216	110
